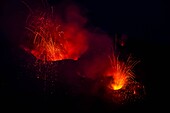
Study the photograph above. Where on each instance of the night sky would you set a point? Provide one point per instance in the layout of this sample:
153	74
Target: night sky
146	24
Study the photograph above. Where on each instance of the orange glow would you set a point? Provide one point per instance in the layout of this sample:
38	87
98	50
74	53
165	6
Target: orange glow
49	45
120	72
119	81
53	41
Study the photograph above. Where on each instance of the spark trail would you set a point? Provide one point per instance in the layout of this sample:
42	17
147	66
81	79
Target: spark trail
123	87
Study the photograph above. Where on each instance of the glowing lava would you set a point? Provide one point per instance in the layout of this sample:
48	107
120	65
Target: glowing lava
121	72
122	86
49	45
119	81
50	39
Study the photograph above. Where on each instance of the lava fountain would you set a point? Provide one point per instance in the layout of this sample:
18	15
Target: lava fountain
50	39
122	86
120	71
55	39
49	42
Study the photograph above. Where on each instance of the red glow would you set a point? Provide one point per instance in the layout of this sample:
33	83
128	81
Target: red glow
120	72
52	40
122	86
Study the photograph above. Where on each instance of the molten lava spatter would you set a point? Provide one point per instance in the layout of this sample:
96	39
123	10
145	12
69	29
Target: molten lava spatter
52	40
61	37
132	92
122	87
120	71
49	45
